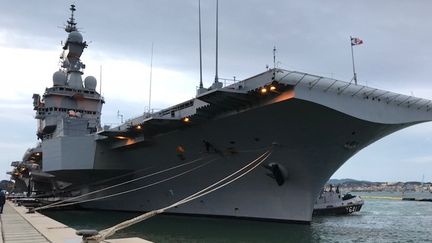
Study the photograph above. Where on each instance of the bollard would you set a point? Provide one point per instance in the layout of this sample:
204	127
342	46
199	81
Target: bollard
86	234
30	210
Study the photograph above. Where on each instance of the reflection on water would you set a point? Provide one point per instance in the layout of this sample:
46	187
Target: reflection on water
378	221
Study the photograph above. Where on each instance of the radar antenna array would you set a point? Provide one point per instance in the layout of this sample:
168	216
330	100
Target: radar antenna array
71	24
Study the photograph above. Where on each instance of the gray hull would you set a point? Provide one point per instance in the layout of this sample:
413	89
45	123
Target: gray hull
311	124
310	141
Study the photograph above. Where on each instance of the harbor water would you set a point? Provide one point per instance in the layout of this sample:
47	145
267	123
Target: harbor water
382	219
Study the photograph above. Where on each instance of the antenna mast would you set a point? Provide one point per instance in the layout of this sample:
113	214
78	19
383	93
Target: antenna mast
217	24
151	76
274	57
200	49
100	80
71	24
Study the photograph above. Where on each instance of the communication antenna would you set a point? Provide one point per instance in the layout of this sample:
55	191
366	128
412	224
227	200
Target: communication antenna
217	24
274	57
120	116
100	79
200	49
151	77
71	24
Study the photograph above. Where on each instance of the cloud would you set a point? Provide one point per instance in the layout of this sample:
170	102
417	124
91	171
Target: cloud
15	146
11	151
309	36
420	160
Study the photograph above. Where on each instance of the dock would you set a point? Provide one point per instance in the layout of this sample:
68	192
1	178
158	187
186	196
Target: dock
18	226
399	198
382	197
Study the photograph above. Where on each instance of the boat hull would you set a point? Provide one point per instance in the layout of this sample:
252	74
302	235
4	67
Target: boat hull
343	210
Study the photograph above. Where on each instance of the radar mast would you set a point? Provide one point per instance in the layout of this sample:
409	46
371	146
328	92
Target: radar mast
71	24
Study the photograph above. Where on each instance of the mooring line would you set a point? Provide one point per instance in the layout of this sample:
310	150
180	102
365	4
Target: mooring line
213	187
114	186
135	189
52	205
94	183
104	181
116	177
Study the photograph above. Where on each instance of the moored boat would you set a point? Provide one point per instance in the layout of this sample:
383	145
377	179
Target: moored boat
332	202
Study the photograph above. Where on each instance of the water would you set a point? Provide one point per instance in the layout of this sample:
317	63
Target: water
380	220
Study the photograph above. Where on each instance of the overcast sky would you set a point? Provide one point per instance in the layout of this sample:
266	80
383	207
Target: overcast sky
310	36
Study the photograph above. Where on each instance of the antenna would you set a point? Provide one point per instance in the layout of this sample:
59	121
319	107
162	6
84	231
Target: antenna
71	22
274	57
151	76
100	79
217	24
120	116
200	49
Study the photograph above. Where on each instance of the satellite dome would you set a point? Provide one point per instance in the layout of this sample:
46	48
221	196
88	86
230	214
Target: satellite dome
59	78
90	82
75	36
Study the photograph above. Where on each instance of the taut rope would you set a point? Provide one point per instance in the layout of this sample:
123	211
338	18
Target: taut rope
64	202
102	235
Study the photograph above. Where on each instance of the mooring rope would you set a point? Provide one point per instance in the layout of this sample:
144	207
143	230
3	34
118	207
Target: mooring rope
102	235
76	188
135	172
60	203
63	202
134	189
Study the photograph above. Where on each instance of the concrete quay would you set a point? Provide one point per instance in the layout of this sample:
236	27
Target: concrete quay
19	227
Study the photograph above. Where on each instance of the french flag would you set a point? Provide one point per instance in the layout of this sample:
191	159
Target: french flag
356	41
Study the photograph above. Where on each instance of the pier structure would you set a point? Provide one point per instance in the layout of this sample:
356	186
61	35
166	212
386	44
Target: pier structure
18	226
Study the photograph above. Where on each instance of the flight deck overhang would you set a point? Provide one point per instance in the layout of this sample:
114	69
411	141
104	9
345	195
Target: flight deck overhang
136	131
210	105
359	101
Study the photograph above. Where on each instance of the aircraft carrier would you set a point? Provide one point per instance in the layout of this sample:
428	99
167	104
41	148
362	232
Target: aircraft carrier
310	125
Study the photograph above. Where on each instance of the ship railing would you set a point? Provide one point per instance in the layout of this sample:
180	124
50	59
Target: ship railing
339	87
228	81
154	112
146	114
61	90
110	126
172	110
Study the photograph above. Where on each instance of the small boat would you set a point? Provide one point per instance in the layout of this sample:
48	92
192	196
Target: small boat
332	202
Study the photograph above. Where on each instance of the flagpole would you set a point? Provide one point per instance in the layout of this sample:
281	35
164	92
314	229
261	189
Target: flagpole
217	30
352	57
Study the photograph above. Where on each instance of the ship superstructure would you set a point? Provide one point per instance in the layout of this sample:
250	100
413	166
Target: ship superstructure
68	114
311	125
70	99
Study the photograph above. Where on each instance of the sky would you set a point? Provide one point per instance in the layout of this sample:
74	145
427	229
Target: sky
310	36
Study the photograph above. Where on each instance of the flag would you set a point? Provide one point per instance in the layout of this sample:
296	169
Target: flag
356	41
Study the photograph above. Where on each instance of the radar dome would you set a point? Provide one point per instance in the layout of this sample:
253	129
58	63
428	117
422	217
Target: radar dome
90	82
75	36
59	78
